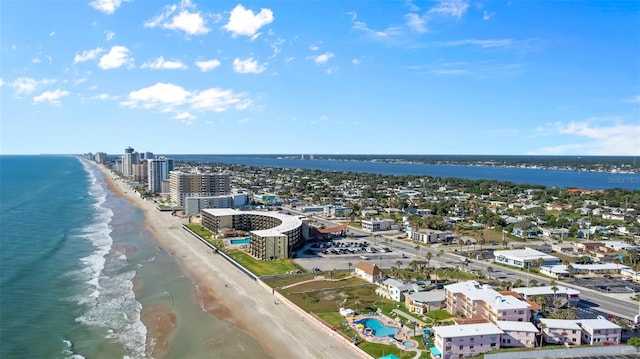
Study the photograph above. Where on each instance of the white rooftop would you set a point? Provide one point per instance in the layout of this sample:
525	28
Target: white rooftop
467	330
476	291
545	290
560	324
428	296
288	222
598	324
511	326
526	254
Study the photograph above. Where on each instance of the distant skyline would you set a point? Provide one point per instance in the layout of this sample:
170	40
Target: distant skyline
324	77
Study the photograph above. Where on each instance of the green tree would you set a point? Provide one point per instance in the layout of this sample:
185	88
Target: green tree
634	342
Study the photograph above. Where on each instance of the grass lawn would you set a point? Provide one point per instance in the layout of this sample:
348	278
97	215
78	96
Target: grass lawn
324	284
379	350
262	268
439	314
362	299
200	230
454	274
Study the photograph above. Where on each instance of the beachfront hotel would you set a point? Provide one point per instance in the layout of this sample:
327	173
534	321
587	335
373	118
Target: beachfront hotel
474	300
192	184
274	235
158	172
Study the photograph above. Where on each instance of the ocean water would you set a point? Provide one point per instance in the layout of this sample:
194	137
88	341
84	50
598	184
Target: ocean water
70	253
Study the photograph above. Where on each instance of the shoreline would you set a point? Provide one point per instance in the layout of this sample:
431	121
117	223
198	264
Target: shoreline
281	330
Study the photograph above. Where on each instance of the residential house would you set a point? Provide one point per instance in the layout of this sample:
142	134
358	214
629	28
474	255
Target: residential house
369	272
564	248
393	289
588	246
600	332
517	334
425	301
560	331
459	341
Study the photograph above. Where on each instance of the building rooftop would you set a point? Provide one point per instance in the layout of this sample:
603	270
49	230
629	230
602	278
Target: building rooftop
526	254
598	324
477	291
510	326
545	290
467	330
427	296
560	324
288	222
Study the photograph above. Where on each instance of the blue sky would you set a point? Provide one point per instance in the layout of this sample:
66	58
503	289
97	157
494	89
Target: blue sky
348	77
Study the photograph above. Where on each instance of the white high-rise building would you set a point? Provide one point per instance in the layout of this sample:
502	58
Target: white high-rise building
157	171
186	184
129	158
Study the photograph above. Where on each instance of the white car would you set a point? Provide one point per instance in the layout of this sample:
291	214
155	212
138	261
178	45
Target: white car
364	257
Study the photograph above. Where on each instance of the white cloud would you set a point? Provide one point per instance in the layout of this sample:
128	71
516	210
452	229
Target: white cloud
314	47
487	15
596	137
455	8
487	43
161	64
52	97
109	35
87	55
244	22
277	47
322	58
52	33
103	97
416	22
632	99
166	97
184	117
36	60
356	61
26	85
117	57
106	6
207	65
178	17
1	82
247	66
390	32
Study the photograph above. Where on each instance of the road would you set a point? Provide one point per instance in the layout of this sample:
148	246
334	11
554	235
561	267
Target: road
594	300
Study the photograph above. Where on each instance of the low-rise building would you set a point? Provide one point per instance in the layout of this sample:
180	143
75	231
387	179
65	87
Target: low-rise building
560	331
459	341
600	332
431	236
425	301
378	224
523	258
571	295
517	334
472	300
369	272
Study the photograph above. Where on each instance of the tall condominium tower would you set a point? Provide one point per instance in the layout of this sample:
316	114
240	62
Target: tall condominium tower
128	160
157	171
185	184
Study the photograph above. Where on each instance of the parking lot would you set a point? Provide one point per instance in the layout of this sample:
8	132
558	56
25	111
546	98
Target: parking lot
608	284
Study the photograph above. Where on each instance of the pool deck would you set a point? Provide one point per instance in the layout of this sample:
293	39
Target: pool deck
401	336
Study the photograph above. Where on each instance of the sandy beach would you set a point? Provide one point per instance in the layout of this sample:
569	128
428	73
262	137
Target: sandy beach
283	330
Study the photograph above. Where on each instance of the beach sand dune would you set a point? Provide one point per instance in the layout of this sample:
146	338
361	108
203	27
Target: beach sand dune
284	331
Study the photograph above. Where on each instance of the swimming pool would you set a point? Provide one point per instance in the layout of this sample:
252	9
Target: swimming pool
379	329
241	241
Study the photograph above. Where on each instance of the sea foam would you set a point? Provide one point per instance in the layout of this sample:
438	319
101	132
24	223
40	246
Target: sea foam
108	300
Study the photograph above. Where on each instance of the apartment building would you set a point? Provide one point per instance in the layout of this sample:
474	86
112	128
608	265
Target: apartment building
189	184
158	171
459	341
273	235
560	331
431	236
379	224
517	334
474	300
599	332
570	295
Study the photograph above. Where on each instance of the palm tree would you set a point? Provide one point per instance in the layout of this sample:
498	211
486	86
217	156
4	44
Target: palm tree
349	264
417	248
533	283
541	326
399	263
489	270
519	283
428	257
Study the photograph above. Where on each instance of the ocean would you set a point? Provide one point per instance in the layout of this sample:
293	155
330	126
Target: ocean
77	266
531	176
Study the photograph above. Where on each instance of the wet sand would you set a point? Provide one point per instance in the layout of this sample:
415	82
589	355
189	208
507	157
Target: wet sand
283	330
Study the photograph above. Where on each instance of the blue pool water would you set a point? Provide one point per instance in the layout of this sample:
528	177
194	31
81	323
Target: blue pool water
241	241
409	344
379	329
